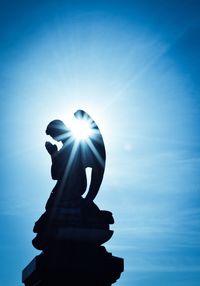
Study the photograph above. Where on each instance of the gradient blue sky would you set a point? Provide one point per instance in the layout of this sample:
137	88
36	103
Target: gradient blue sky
134	66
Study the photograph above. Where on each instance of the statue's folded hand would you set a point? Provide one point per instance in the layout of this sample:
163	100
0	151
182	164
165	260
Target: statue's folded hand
51	148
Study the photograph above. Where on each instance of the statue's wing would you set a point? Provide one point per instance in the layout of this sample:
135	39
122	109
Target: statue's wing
94	155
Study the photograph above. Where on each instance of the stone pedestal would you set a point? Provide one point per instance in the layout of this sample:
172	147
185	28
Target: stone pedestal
73	264
72	255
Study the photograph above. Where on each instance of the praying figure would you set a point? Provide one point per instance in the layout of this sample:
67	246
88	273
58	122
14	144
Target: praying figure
70	162
69	215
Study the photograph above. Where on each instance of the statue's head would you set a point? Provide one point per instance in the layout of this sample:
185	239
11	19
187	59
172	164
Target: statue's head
57	130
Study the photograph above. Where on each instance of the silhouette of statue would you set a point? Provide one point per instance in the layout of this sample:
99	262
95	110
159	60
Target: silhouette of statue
72	229
70	162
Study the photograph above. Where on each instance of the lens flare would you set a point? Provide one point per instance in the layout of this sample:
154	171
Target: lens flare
81	129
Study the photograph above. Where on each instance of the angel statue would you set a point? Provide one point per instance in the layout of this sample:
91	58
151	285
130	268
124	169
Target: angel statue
70	162
66	206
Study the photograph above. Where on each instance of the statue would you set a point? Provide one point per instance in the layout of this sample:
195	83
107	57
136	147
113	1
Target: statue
72	229
66	208
70	162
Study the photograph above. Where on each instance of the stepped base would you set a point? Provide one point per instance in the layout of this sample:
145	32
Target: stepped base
73	264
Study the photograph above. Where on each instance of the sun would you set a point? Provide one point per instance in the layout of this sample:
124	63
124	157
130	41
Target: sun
81	129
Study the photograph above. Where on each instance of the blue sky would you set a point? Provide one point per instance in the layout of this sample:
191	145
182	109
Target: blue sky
134	66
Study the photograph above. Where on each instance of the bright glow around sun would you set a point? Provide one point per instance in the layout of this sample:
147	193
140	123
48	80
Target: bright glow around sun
81	129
